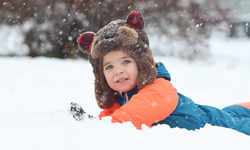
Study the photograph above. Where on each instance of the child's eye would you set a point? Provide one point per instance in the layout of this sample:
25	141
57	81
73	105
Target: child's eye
126	61
108	67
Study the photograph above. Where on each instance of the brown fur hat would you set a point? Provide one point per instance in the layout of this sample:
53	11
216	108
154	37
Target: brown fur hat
125	35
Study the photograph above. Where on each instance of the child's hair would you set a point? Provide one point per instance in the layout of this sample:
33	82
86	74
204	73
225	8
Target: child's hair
125	35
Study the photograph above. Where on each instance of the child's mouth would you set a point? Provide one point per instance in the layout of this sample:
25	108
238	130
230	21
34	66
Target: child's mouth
121	80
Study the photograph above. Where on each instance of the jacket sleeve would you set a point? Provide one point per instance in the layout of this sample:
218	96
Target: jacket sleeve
151	104
108	112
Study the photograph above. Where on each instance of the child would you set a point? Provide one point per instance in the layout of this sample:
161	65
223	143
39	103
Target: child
130	86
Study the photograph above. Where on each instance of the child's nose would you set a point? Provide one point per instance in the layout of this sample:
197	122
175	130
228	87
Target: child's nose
119	71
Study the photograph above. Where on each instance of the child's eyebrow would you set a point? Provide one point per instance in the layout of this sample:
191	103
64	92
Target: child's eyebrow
125	57
119	58
106	64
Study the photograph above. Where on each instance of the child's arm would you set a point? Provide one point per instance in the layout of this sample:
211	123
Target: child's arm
152	104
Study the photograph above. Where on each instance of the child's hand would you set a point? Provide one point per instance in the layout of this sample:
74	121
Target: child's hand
77	112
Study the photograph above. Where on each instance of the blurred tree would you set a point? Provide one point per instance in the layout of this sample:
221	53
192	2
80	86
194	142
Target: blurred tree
185	22
52	27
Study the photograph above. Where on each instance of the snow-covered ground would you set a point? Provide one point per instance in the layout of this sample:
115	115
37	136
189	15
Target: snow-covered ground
35	95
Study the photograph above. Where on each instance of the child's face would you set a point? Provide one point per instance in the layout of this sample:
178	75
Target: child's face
120	71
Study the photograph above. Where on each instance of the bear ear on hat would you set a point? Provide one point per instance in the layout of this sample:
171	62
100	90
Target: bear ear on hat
136	19
85	40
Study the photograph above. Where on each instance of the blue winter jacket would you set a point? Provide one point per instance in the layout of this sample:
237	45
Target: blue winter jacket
193	116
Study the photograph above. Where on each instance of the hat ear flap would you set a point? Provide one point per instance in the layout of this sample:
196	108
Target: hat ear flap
136	19
105	96
85	40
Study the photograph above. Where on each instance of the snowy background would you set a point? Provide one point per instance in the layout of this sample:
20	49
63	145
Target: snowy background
35	95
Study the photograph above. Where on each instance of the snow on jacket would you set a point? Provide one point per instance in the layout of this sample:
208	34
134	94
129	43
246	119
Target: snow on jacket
160	103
